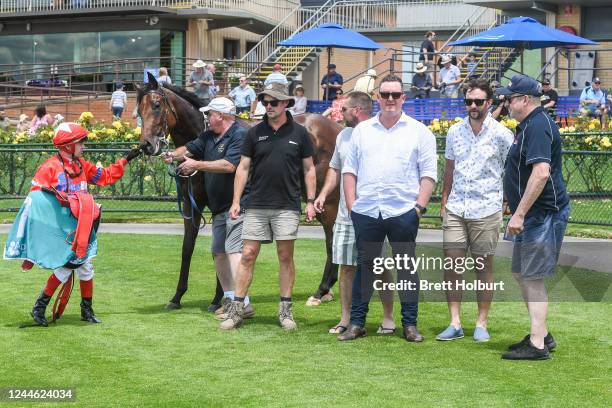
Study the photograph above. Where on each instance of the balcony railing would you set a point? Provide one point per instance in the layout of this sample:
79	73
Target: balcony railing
364	15
271	9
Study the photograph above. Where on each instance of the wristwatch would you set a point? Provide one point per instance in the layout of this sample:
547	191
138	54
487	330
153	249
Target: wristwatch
422	209
310	201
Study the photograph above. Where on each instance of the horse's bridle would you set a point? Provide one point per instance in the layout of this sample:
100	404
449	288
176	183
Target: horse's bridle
167	106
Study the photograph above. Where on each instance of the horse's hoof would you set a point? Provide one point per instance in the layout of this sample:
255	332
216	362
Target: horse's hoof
173	306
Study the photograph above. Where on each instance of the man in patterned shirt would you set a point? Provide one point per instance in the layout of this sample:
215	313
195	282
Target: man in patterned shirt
472	196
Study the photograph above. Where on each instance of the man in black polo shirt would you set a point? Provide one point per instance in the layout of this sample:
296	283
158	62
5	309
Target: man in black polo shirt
537	197
217	153
549	98
275	152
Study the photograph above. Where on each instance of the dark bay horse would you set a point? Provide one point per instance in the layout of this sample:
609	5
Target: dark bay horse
168	110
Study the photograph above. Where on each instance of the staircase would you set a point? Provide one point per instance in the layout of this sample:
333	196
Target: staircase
259	60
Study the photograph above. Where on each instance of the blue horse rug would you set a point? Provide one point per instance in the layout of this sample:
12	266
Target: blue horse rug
43	233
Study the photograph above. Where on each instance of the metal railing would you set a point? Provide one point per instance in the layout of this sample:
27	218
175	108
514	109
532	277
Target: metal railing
270	9
146	186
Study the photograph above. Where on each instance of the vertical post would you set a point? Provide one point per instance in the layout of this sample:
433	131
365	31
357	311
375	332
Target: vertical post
12	173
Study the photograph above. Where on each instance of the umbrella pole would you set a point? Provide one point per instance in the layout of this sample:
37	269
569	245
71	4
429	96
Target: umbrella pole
327	70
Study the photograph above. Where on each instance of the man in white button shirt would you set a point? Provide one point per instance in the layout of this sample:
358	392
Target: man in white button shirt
389	175
356	108
472	196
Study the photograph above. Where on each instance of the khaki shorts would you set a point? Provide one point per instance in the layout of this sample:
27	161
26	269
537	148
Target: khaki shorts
479	235
269	225
226	234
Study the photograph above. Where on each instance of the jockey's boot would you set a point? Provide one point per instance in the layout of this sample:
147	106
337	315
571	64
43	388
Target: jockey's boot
38	311
87	313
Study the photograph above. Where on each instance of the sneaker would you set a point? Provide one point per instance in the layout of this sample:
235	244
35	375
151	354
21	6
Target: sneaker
481	335
285	316
224	303
527	352
549	342
234	316
247	313
450	333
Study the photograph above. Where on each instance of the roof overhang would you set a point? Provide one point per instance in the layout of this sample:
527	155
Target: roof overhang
216	18
546	5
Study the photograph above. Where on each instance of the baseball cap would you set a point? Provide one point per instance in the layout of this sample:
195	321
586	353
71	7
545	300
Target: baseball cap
545	82
521	84
331	66
220	104
596	80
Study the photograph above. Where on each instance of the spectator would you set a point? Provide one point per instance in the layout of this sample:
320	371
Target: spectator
41	118
163	77
538	200
272	211
499	107
216	152
471	206
334	112
470	63
276	76
201	80
118	101
366	83
449	79
5	122
389	175
549	99
593	101
421	82
427	51
23	125
300	101
243	96
331	83
358	108
214	88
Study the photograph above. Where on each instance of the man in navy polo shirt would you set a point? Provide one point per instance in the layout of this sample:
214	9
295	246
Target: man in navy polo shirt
217	153
331	83
538	200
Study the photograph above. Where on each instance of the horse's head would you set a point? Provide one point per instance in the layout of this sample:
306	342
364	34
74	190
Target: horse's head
158	116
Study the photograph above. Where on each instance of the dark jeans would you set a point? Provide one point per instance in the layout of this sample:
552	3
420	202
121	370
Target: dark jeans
117	111
370	235
240	109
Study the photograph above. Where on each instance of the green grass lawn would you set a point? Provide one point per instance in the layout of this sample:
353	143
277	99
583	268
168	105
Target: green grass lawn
144	356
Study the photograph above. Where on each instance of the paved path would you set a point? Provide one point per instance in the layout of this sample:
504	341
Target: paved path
588	253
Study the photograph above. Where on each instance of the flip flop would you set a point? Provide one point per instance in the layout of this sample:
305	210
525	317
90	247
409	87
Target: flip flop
385	330
338	329
313	301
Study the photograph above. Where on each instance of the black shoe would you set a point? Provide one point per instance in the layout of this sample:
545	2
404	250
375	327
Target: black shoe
527	352
352	332
87	313
411	334
549	342
38	311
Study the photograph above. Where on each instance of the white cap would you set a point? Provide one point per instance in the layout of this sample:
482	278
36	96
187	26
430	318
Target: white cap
221	105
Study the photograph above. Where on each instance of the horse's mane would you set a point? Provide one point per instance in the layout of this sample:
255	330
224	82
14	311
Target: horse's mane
188	96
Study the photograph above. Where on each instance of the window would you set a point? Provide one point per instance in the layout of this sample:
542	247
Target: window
231	49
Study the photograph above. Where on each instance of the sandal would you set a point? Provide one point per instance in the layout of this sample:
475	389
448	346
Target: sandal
313	301
385	330
338	329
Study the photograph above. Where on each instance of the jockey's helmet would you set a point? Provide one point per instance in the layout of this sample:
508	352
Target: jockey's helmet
67	134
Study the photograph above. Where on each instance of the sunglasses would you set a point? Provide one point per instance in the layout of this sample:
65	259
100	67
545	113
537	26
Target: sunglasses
274	103
478	102
511	97
395	95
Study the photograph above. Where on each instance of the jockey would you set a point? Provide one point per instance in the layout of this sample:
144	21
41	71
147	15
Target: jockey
68	173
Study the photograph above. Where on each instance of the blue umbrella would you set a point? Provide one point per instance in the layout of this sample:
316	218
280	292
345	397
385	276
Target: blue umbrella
524	33
331	35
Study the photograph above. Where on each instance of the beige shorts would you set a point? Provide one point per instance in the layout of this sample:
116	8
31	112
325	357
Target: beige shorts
479	235
269	225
